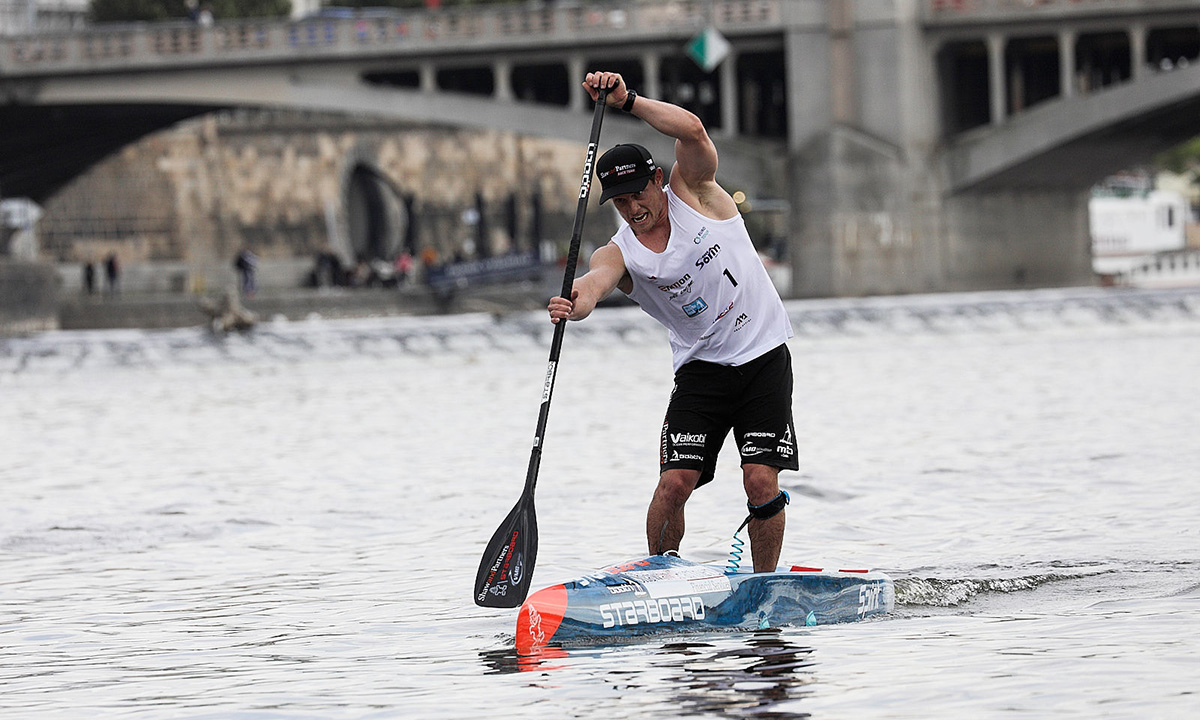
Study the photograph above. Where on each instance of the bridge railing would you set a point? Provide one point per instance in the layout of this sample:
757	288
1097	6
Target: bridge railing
952	11
423	32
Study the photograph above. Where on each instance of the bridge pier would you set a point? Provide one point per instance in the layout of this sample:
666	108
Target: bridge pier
873	210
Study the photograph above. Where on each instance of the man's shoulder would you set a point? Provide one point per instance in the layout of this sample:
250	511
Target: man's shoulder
709	200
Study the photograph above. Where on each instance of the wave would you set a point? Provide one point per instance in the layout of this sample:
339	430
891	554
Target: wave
994	311
952	592
954	313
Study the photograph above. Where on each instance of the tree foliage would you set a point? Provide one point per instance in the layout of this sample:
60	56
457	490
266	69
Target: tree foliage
1181	158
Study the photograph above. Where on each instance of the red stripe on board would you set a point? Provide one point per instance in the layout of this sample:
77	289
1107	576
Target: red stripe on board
540	617
801	568
855	571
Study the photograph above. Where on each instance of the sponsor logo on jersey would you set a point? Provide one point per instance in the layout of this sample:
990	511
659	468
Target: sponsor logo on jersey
684	291
741	322
695	307
723	313
708	255
701	236
677	284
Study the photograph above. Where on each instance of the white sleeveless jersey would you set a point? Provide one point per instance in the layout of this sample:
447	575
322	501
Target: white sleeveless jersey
708	288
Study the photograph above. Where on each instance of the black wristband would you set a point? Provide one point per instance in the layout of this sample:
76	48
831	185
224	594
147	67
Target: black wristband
630	96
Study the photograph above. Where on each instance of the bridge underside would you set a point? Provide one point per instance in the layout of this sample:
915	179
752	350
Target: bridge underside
71	122
1072	144
43	147
1081	163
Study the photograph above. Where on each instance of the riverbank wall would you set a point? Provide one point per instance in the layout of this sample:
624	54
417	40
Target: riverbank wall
28	297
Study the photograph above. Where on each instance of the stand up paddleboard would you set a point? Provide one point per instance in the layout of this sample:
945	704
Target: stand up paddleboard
666	594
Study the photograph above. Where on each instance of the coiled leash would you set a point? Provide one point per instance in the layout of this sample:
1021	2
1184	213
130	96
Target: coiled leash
766	511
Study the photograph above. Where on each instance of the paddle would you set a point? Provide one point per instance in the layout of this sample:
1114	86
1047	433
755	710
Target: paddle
507	565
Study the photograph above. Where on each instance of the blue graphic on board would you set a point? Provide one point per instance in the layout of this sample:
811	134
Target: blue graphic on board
664	594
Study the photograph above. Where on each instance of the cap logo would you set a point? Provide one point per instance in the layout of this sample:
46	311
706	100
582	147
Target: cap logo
624	168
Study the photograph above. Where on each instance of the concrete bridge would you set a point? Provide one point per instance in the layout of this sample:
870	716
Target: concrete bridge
918	144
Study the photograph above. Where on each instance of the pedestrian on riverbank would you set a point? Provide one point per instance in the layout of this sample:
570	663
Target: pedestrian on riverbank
684	255
404	266
112	273
89	277
247	267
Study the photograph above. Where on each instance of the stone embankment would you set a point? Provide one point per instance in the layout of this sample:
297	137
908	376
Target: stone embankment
28	297
152	311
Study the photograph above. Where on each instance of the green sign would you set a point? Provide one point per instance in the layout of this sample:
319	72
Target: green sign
709	48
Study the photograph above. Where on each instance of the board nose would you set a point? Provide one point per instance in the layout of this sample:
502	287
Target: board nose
540	617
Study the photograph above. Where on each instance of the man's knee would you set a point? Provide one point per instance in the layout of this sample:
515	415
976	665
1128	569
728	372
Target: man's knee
676	486
761	482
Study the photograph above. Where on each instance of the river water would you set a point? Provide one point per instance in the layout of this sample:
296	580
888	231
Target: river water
286	524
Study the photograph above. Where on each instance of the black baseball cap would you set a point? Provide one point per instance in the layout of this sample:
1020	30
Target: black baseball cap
624	169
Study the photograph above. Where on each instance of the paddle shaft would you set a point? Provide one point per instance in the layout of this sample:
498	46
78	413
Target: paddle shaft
506	568
585	189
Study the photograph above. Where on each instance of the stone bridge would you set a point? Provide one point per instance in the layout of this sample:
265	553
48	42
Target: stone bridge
914	145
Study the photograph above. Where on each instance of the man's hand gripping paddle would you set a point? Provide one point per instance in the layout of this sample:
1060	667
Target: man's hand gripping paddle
507	565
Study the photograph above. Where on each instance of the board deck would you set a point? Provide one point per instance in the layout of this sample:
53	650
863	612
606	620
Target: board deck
666	594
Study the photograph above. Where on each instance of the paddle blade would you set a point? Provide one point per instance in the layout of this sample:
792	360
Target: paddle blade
507	565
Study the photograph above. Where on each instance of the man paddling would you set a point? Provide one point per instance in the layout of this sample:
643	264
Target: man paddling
685	257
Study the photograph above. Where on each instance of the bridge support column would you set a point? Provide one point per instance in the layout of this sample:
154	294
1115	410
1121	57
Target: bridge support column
1137	51
1066	63
729	96
502	73
428	77
806	60
651	69
575	72
996	77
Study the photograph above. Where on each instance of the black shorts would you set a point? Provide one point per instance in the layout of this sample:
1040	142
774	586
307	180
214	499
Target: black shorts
754	400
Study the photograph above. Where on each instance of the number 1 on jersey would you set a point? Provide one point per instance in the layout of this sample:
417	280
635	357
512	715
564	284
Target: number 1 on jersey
730	276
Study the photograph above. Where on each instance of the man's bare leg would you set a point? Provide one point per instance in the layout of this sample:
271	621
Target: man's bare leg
664	519
766	536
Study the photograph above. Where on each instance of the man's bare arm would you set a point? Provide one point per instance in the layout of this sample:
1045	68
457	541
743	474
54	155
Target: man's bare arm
605	274
693	176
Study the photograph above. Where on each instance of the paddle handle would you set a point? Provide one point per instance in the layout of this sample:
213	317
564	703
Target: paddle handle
585	190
